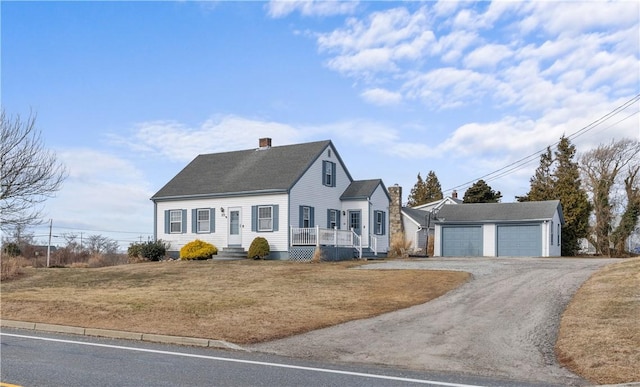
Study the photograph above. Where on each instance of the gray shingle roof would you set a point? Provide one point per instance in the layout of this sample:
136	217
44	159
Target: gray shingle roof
418	216
361	189
274	169
497	212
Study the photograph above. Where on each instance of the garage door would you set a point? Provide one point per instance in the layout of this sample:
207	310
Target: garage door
462	241
519	240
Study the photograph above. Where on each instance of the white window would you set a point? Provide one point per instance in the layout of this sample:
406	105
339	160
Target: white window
306	217
265	218
328	174
379	219
175	217
333	219
204	221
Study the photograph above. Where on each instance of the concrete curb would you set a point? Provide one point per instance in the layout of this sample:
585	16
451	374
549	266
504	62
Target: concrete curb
115	334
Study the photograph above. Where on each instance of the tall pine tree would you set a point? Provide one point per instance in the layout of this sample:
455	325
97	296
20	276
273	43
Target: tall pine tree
542	181
558	177
418	193
433	189
574	199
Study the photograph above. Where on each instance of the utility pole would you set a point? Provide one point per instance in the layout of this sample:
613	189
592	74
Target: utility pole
49	244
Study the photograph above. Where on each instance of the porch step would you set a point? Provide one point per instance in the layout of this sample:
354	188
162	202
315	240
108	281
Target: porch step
232	252
368	254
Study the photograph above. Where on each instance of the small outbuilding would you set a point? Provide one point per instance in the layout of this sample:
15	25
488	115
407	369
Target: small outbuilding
526	229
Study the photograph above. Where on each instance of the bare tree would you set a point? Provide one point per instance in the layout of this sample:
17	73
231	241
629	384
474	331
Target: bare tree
98	244
604	174
29	173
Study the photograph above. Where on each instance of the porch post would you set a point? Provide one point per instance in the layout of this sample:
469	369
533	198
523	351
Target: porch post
317	236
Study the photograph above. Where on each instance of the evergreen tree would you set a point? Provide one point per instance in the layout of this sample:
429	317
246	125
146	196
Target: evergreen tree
481	192
558	177
418	193
433	190
542	182
575	202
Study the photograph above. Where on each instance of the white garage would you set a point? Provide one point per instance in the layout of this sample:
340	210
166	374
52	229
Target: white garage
527	229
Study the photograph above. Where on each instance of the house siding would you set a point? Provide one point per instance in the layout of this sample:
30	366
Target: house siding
379	202
278	240
310	191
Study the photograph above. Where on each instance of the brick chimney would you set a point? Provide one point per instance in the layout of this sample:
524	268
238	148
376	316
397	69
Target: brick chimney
265	142
395	211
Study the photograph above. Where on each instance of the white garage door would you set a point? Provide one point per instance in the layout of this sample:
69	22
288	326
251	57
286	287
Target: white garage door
519	240
462	241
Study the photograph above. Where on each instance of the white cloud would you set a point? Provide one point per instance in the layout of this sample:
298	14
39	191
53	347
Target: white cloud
382	97
575	18
447	87
103	194
423	55
487	56
180	142
279	8
377	43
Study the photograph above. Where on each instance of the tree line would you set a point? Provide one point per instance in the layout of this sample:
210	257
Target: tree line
599	191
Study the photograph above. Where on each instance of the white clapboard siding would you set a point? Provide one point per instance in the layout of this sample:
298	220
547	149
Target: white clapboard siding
278	240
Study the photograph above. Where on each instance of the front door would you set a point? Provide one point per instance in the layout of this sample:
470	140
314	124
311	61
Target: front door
355	221
235	227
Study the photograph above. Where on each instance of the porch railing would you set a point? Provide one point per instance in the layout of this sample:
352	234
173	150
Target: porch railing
316	236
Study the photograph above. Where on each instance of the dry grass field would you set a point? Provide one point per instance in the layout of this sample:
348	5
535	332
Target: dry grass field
599	335
237	301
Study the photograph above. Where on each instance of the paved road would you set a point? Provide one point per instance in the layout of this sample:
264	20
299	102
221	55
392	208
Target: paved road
43	359
503	323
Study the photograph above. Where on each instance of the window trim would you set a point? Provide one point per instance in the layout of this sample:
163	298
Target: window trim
379	222
306	216
336	215
177	221
202	222
328	173
259	219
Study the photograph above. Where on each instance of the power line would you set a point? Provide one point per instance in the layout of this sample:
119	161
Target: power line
96	230
520	163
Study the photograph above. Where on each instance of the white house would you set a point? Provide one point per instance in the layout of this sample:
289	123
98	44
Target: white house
299	197
499	229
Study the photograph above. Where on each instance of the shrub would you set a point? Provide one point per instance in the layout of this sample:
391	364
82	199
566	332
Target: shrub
11	267
318	256
399	247
259	248
151	251
11	249
198	250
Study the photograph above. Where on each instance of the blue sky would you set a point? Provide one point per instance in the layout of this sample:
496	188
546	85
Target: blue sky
127	93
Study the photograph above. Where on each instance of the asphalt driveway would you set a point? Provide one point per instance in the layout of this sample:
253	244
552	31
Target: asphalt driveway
502	323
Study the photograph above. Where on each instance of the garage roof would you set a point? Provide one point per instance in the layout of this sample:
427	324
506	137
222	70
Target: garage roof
500	212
